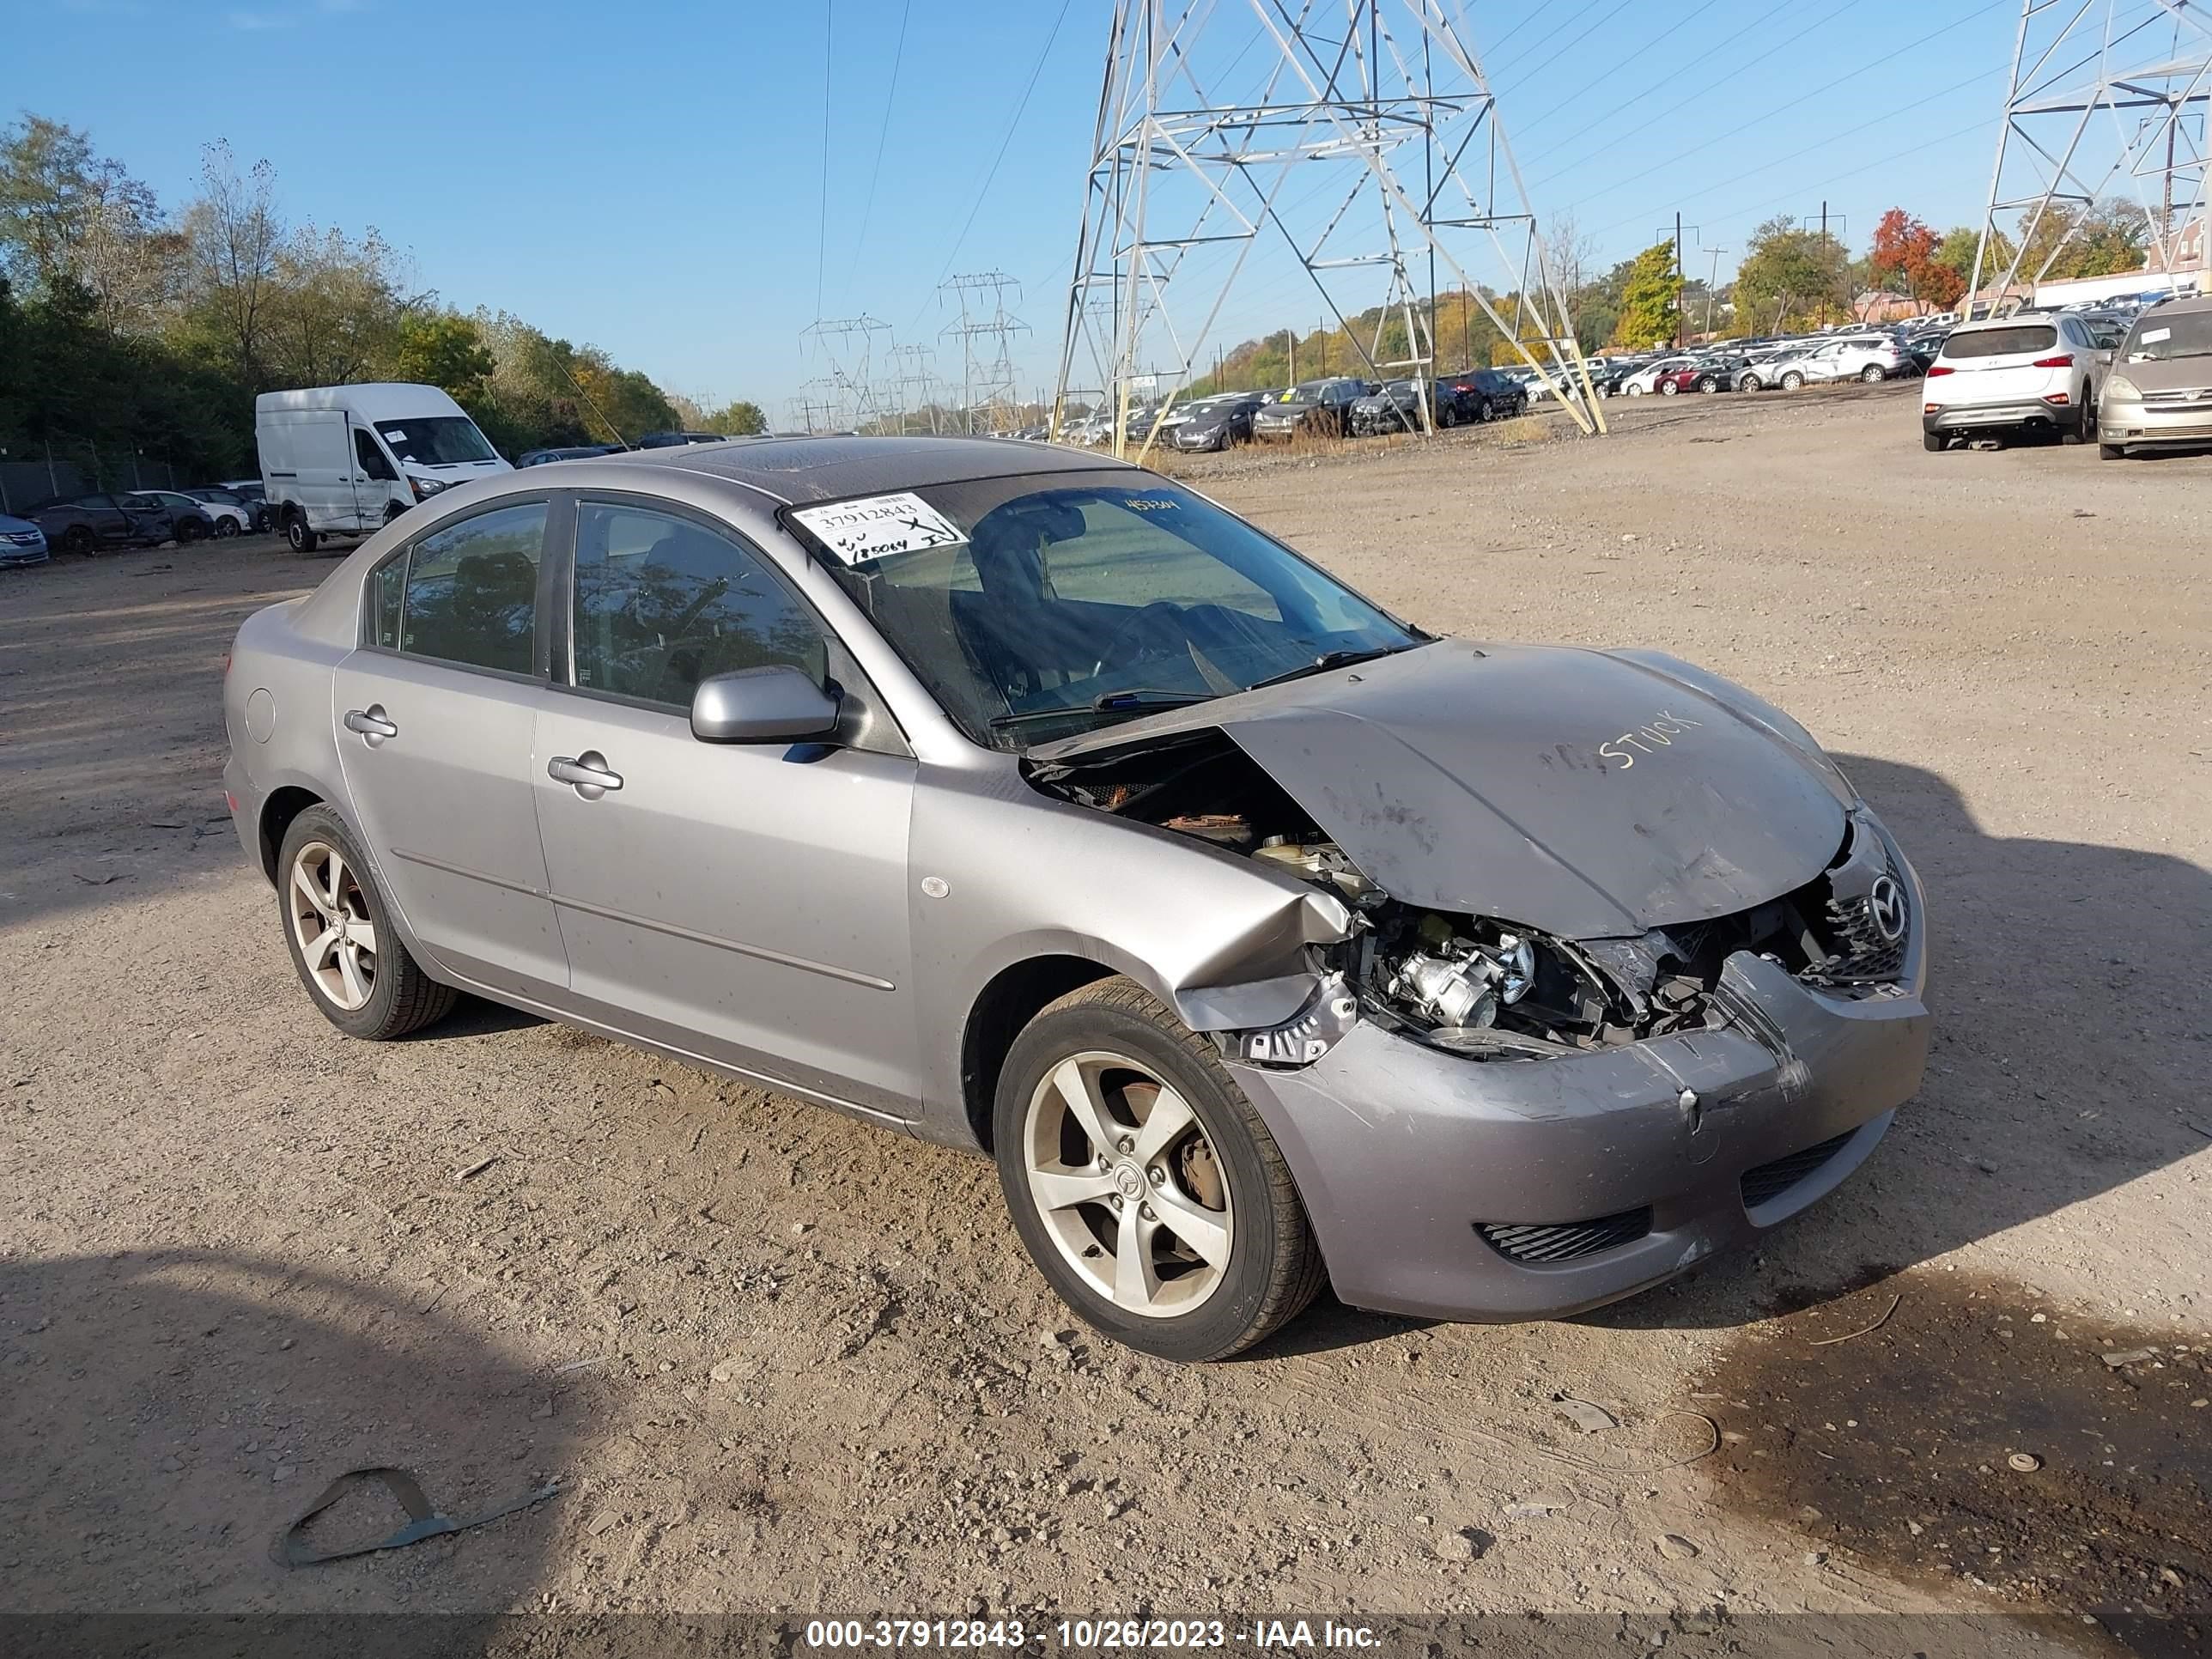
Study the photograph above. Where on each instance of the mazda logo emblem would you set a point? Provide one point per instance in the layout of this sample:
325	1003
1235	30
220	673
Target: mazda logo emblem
1886	907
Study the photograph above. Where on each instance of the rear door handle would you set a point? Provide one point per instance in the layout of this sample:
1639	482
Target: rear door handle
370	722
588	772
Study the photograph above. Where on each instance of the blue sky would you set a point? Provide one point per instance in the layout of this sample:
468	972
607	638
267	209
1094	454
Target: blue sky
650	177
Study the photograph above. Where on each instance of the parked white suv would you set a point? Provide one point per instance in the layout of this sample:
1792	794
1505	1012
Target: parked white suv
2015	373
1858	357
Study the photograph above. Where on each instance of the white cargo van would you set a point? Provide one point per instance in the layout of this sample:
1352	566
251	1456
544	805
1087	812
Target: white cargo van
343	460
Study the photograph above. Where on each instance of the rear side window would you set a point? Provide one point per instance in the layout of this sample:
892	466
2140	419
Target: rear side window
2001	342
470	591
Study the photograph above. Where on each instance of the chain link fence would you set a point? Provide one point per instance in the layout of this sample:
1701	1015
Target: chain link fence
32	473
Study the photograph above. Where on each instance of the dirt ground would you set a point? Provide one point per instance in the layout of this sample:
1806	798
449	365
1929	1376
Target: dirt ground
778	1360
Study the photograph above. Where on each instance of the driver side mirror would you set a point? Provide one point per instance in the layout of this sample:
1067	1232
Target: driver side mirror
778	703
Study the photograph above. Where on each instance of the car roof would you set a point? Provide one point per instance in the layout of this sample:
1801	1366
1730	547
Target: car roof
2015	319
2191	308
800	470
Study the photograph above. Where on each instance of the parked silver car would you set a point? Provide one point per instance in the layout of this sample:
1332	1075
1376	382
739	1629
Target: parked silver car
1037	805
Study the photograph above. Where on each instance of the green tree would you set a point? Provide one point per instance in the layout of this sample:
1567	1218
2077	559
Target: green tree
1788	276
445	350
1651	299
737	420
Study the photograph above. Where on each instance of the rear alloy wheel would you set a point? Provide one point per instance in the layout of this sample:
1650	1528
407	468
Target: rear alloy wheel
1871	373
1144	1186
354	966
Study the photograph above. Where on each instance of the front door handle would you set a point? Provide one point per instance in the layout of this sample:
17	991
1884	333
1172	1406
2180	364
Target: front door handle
588	772
371	723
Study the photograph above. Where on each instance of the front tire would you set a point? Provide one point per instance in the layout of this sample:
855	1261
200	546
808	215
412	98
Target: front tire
226	527
1791	382
1143	1183
78	538
296	533
1669	389
338	929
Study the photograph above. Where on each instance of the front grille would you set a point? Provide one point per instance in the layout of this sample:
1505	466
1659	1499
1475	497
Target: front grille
1860	952
1768	1182
1567	1241
2191	395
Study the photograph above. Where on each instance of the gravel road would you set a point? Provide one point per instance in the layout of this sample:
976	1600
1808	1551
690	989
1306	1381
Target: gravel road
780	1360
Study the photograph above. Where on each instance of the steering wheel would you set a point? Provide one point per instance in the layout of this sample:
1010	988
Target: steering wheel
1150	619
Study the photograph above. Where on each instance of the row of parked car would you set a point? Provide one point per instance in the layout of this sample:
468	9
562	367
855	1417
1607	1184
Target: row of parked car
1339	406
134	517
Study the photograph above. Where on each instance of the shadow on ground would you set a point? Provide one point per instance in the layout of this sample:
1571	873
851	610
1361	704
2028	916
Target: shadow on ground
167	1414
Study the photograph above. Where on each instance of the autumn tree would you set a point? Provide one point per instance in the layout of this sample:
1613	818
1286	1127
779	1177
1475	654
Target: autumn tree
1903	257
1651	299
737	420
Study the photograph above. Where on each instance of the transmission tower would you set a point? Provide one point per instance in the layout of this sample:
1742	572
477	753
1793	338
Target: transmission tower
2104	96
915	389
986	331
848	345
1379	111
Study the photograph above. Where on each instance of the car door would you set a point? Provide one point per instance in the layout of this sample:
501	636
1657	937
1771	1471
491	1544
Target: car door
744	903
110	523
435	711
376	487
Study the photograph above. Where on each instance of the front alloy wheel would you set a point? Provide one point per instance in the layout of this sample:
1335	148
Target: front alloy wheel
1147	1190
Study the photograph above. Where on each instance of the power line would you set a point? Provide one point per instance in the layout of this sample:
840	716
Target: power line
883	132
1746	126
1780	160
1582	88
822	213
1036	69
1578	39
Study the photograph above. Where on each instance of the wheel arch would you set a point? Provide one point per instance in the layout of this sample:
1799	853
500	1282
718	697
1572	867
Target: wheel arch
1009	1001
278	813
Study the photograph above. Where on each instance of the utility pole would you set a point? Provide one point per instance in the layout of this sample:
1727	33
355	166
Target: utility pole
1291	335
1678	279
1712	281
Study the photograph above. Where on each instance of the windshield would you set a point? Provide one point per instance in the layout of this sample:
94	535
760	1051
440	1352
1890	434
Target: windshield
2160	337
1078	599
436	441
1309	393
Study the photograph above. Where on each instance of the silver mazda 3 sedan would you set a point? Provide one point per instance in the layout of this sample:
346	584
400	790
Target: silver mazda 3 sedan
1037	805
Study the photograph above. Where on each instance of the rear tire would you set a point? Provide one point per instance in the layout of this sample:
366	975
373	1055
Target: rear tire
1872	372
1098	1066
364	981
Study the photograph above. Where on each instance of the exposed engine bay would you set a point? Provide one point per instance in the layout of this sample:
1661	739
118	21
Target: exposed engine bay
1481	987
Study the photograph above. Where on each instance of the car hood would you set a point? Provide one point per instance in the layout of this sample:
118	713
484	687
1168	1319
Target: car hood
1583	793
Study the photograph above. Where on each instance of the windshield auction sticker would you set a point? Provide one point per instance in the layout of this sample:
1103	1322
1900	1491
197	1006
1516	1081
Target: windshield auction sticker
879	525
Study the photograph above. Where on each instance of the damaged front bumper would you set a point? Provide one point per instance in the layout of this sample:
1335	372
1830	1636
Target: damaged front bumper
1503	1190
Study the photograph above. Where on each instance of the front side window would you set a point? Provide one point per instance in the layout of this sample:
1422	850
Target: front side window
662	602
471	590
1078	600
436	441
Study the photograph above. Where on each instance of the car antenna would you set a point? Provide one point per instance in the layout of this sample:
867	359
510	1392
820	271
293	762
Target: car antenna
596	409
